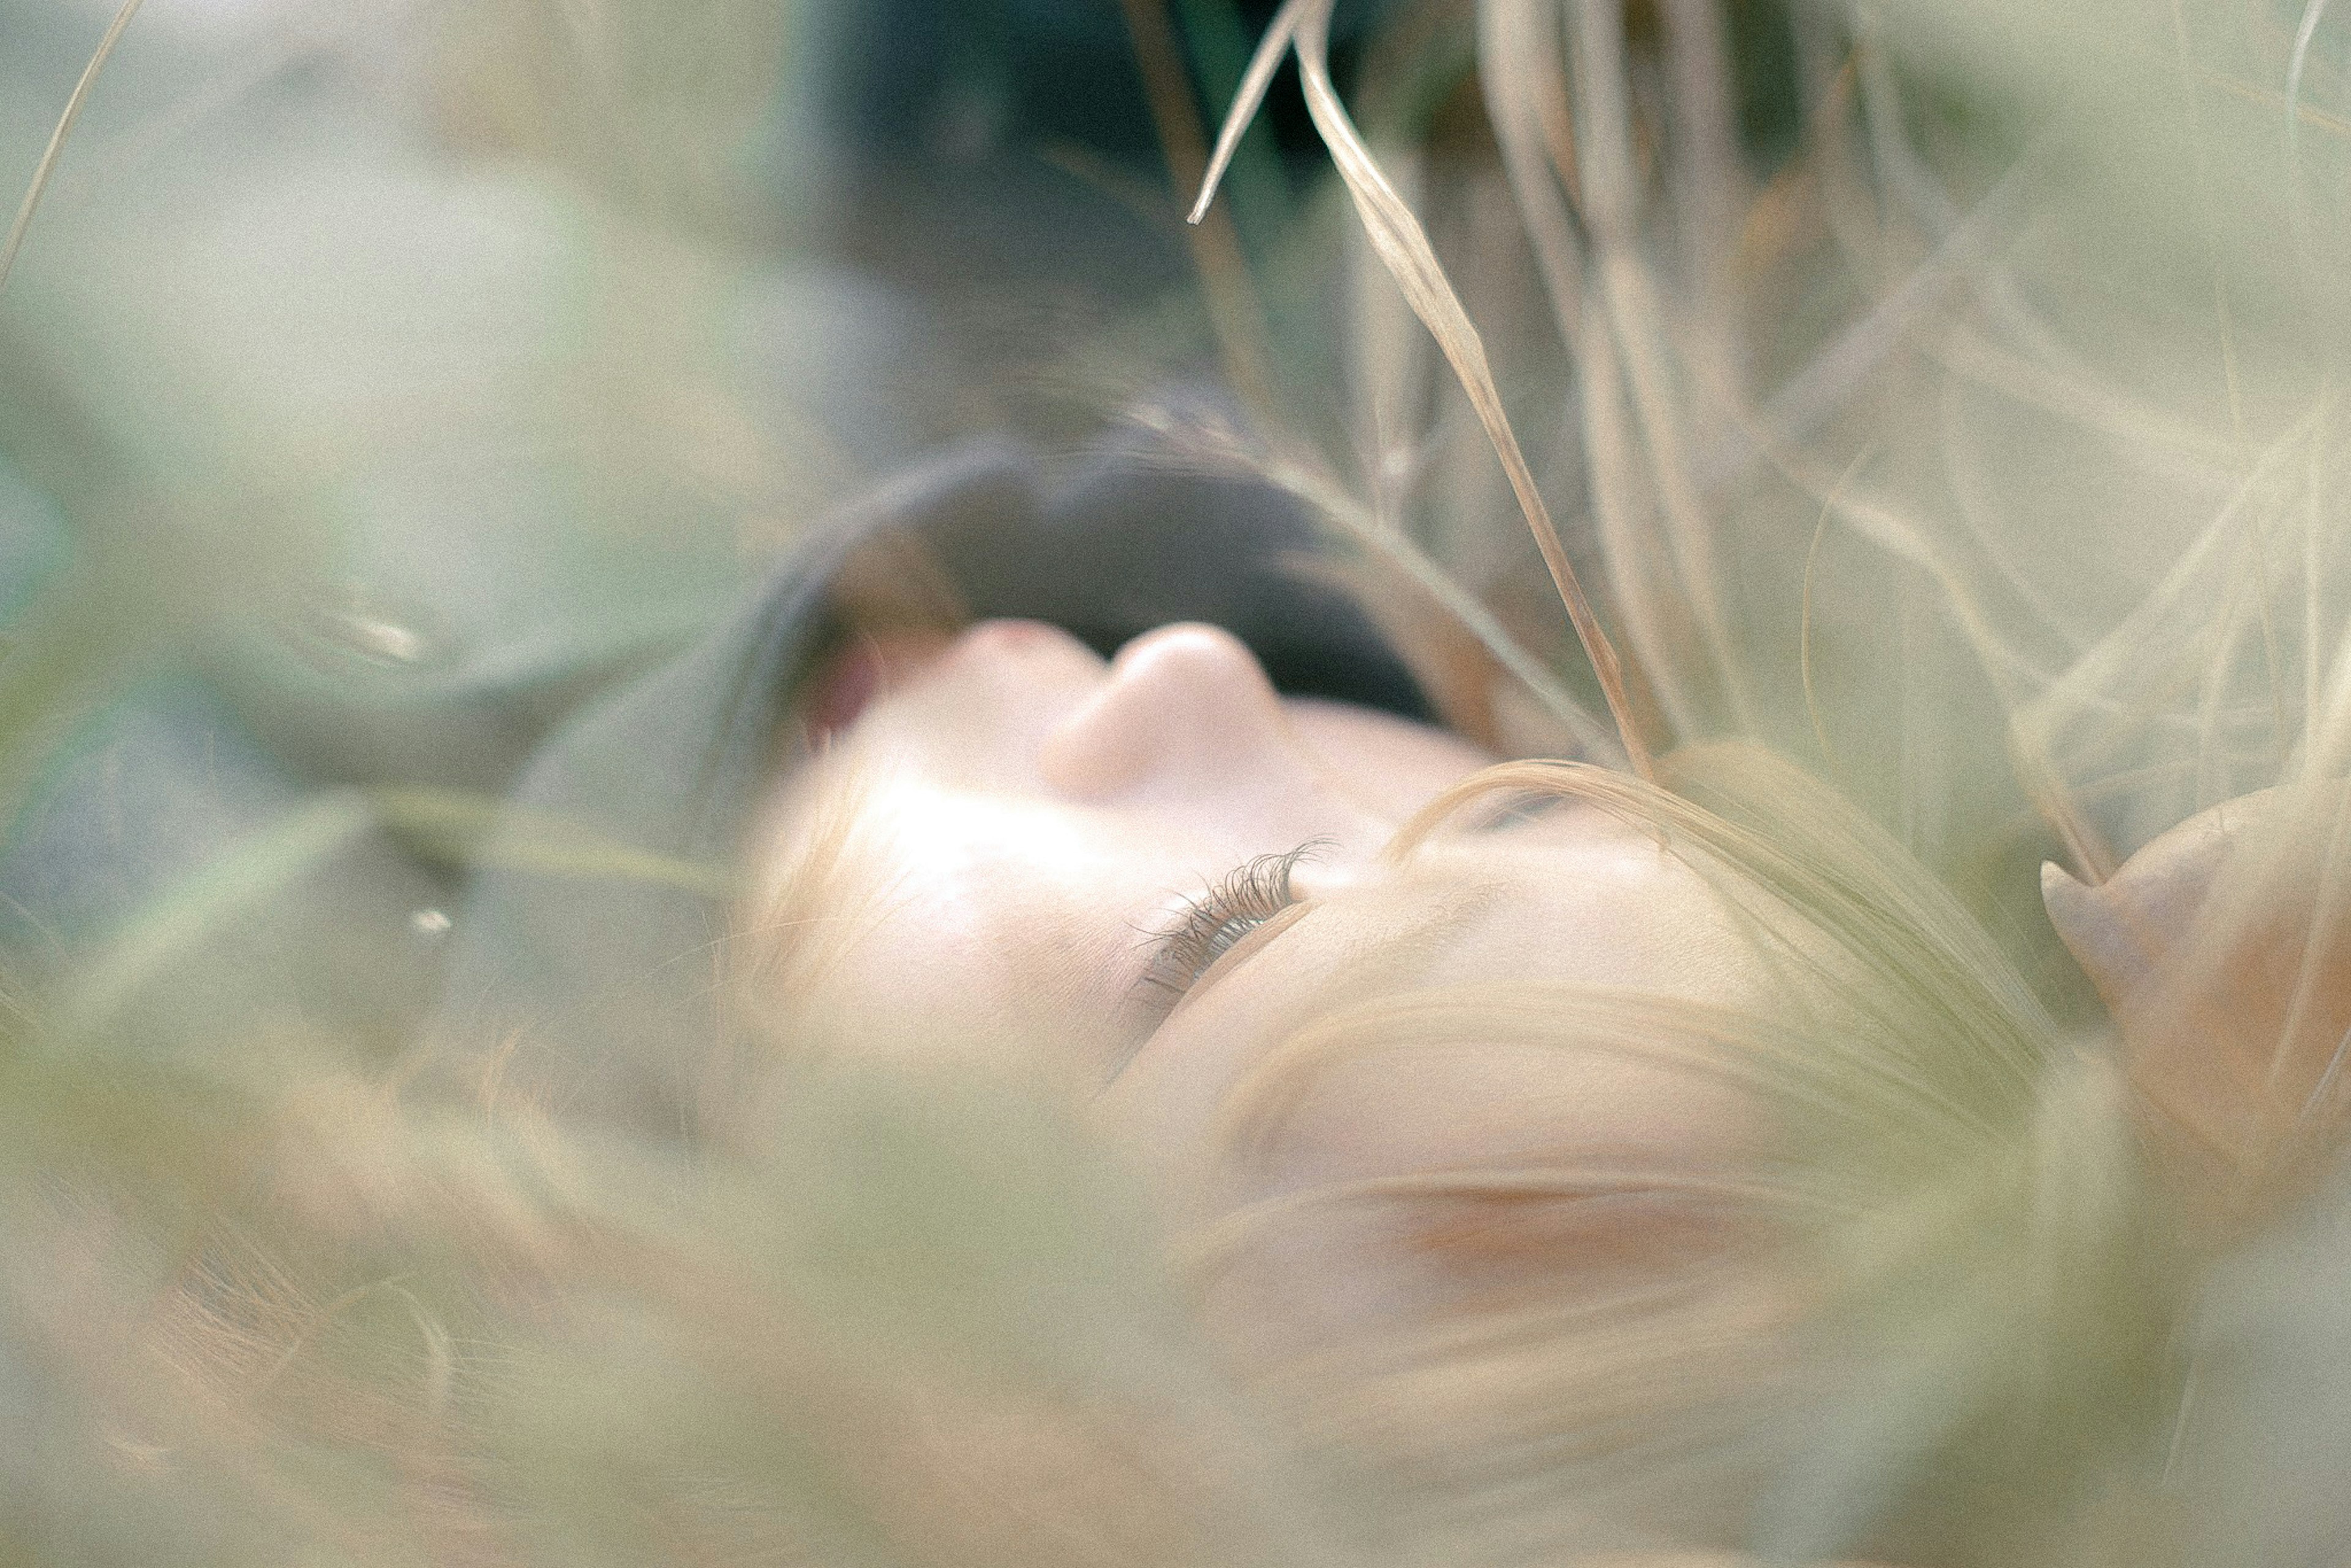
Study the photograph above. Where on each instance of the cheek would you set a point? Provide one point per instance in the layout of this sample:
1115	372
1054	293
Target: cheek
976	718
986	931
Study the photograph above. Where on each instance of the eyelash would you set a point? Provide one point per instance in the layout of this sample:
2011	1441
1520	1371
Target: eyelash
1209	926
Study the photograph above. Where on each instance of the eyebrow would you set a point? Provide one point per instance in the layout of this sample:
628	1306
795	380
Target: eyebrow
1533	780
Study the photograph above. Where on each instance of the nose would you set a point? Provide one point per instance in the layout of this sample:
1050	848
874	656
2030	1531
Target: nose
1185	706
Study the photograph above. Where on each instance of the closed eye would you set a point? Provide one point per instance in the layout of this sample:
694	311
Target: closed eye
1209	926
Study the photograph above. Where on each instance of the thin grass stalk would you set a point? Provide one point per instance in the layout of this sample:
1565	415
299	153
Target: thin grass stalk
1830	379
1403	247
1898	537
1805	624
2191	101
1900	176
1521	65
1234	315
1390	378
2272	654
1906	177
70	652
1712	187
257	868
2137	639
1887	529
2166	446
1828	72
1311	483
2031	727
1625	521
1519	49
15	242
2307	266
2327	749
1271	51
1611	206
2326	726
1388	364
2143	633
1975	511
1216	43
2314	512
1521	69
119	155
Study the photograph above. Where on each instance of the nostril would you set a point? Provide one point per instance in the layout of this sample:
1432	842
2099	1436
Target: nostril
1180	699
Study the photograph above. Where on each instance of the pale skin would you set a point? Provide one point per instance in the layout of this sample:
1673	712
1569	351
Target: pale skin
1023	822
2222	951
1030	820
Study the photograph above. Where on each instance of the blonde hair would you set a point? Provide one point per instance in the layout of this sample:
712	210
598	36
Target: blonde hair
310	1313
1939	1296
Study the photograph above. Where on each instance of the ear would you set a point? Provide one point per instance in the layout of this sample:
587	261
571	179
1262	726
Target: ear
2126	932
2222	952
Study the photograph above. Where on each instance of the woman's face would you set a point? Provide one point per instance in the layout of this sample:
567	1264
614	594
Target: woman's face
1144	876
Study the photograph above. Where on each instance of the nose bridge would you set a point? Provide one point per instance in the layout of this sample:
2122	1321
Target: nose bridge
1183	704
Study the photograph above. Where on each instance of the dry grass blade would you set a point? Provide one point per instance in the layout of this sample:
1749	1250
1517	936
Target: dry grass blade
48	166
1312	485
2142	638
1612	189
1827	382
2327	749
1712	195
1804	625
2296	65
2033	720
1516	40
1268	59
2314	530
1233	312
1403	248
1519	53
1640	573
1402	245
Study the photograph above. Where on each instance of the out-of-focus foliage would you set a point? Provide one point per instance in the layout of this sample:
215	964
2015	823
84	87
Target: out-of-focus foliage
1942	394
377	381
